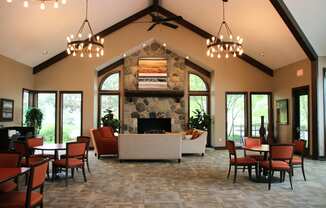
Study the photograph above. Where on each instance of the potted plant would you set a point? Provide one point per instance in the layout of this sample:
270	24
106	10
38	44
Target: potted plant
109	120
201	120
33	118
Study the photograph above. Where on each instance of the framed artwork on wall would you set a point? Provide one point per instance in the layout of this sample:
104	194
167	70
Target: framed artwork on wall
6	110
282	112
152	73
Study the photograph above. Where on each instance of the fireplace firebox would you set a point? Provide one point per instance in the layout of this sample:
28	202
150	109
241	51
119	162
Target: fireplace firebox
153	125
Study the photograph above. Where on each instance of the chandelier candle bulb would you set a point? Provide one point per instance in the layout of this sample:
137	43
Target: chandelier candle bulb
56	5
25	4
63	1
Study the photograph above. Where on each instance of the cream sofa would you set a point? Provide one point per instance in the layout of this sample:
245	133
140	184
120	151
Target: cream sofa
195	146
150	146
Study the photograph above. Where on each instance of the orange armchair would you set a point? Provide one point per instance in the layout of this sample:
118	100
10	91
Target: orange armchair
104	141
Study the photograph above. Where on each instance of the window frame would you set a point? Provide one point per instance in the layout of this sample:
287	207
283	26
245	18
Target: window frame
30	102
245	113
35	101
198	93
108	92
61	93
270	110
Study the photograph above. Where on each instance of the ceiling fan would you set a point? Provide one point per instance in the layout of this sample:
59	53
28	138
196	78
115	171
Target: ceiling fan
161	20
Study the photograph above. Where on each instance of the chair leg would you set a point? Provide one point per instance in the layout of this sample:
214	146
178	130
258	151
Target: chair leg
66	179
53	172
244	169
72	172
229	171
269	179
281	176
303	173
249	171
84	174
89	170
290	177
235	174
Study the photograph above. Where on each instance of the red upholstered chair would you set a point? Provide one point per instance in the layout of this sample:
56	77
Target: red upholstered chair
8	160
86	140
253	142
34	142
298	157
30	198
75	158
104	141
238	161
279	154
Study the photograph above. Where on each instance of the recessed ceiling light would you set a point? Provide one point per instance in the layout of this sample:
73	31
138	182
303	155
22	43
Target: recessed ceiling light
124	55
144	45
164	44
187	57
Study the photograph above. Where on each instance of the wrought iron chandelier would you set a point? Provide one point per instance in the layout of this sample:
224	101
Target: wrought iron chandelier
224	44
43	3
81	46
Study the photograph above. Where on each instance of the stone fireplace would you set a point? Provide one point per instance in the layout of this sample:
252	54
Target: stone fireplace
155	106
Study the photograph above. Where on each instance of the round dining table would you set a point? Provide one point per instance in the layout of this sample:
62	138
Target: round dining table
52	147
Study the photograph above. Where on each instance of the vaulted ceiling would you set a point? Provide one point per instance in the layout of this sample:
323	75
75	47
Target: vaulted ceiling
32	36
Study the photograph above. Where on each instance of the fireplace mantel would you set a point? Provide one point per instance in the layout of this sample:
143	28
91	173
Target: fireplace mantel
154	93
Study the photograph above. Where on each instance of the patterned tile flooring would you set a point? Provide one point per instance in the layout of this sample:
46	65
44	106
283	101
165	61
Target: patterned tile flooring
195	182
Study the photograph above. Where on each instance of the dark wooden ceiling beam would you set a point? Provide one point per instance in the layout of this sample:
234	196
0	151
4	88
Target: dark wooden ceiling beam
262	67
295	29
303	41
141	14
103	33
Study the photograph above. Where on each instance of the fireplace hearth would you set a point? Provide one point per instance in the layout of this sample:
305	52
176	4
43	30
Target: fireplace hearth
153	125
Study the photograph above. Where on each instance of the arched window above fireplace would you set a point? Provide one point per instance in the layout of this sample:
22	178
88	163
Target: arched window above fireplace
111	82
109	95
198	92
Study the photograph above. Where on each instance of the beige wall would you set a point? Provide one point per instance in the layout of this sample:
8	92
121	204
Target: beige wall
14	77
285	79
74	73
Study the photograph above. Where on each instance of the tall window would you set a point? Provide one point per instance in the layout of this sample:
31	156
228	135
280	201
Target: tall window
198	94
236	116
47	102
71	109
109	95
27	103
260	106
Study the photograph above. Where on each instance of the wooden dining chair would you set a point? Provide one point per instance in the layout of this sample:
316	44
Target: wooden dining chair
298	157
280	159
30	198
75	158
34	142
238	161
8	160
26	158
86	140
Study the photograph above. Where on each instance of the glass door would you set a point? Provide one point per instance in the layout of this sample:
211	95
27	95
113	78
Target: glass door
47	103
301	113
71	108
236	117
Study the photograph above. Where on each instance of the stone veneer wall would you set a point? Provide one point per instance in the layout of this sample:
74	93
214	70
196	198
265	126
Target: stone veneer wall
160	107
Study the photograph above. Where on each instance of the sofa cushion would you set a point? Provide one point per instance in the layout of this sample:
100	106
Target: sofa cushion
196	134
